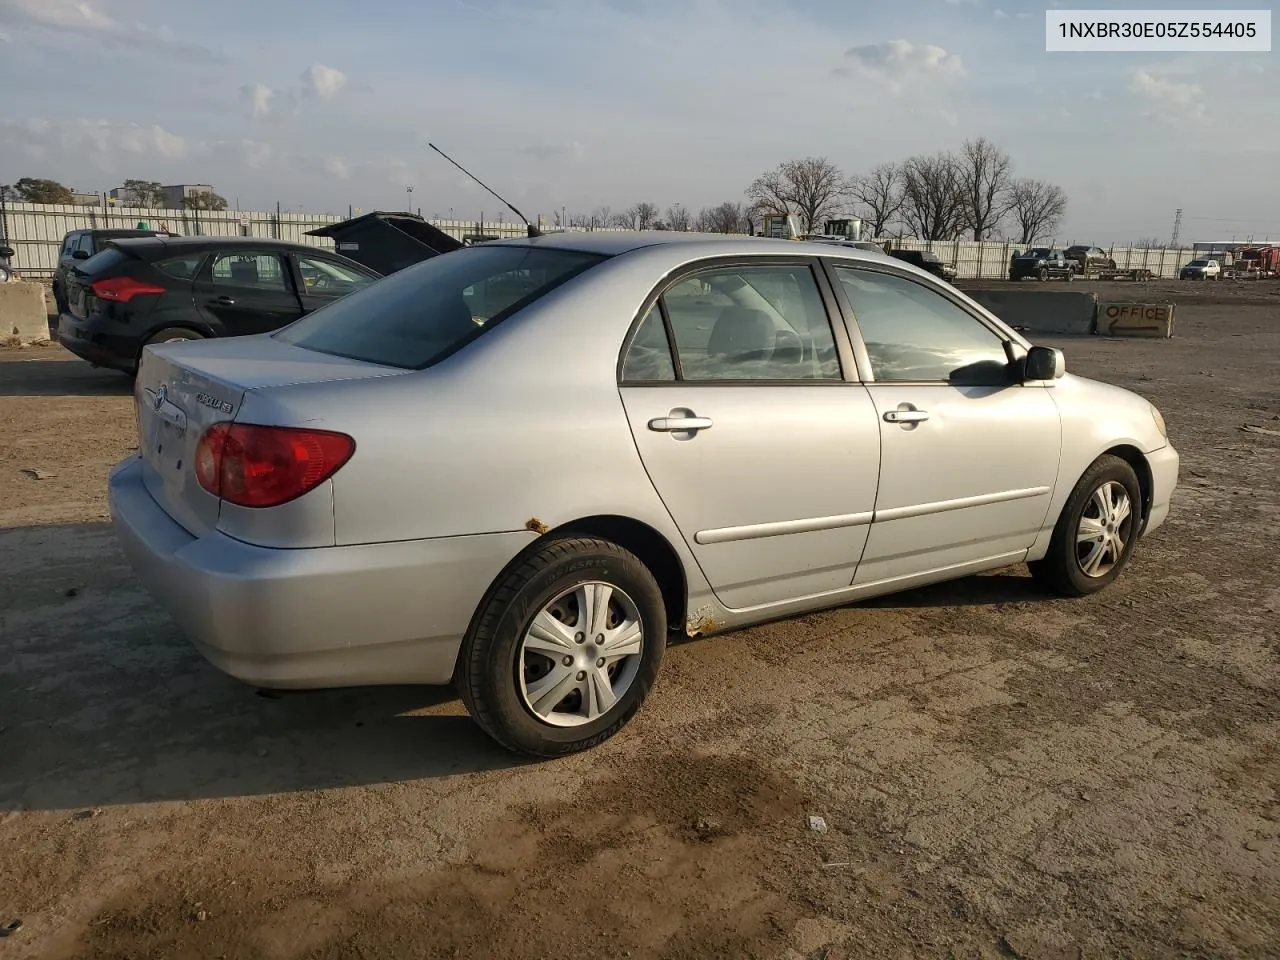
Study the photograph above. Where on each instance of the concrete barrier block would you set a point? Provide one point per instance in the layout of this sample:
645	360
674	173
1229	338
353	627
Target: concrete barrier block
1135	319
22	312
1041	311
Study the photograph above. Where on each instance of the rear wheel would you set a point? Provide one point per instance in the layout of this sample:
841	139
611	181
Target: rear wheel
1096	533
167	335
564	649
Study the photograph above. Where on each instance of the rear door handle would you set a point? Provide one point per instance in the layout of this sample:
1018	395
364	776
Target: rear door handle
679	424
225	301
906	416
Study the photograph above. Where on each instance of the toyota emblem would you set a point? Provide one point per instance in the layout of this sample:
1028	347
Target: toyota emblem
161	396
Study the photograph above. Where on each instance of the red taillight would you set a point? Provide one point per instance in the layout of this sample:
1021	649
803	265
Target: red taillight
122	289
256	466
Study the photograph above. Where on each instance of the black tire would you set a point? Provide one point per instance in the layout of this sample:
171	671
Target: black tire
486	676
1060	570
174	333
1043	274
59	301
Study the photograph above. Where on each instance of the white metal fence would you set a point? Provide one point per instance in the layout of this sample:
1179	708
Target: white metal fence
35	232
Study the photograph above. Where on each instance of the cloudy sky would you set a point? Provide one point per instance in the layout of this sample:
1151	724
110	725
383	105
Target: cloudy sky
321	104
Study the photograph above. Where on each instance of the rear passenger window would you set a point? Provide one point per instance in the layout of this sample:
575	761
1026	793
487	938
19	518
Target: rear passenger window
765	322
649	357
261	271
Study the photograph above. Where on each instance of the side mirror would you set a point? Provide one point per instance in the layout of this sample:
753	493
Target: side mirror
6	252
80	255
1044	363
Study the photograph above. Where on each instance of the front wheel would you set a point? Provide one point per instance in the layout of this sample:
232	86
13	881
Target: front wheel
1096	532
1043	273
564	649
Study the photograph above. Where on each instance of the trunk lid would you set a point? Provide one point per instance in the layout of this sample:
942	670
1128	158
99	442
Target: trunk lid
184	388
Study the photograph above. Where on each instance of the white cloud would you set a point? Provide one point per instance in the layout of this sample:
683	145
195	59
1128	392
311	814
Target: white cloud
1169	99
1024	15
323	82
899	63
255	153
60	19
5	38
259	97
84	15
338	167
101	138
554	151
999	14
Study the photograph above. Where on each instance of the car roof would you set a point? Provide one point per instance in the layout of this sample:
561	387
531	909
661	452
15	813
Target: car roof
197	244
614	242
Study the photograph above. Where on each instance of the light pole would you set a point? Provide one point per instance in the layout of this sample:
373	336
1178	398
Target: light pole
409	191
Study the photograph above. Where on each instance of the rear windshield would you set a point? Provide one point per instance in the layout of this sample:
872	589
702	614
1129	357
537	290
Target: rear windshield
106	259
423	313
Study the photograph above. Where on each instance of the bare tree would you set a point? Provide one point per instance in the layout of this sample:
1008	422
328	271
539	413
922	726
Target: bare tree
932	203
602	217
639	217
1037	207
678	217
880	195
985	176
727	217
812	189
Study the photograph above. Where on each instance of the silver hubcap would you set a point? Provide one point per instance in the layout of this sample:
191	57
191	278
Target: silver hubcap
580	654
1104	530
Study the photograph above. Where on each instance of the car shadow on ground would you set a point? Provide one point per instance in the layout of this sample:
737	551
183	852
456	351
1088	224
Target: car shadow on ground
1013	585
44	373
104	702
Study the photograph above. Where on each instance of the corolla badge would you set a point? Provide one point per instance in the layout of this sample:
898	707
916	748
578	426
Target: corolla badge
209	401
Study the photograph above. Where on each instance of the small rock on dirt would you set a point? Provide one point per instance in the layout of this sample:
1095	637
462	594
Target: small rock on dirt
1253	845
817	824
87	814
10	928
35	473
200	916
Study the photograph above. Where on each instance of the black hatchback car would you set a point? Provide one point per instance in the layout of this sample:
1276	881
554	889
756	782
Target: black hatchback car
157	289
80	245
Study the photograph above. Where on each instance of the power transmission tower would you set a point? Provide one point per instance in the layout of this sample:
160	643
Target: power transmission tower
1177	228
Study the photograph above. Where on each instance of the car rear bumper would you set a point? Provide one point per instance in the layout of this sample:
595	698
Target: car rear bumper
1164	464
310	618
100	349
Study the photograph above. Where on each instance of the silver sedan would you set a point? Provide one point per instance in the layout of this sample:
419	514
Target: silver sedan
522	466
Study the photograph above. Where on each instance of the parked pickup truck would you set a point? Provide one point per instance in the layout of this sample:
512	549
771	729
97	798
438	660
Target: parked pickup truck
1201	270
1043	263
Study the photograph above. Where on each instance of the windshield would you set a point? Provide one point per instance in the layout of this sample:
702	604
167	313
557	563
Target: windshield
423	313
1198	263
1039	252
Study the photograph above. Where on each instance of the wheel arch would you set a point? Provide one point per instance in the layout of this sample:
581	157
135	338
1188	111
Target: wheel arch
648	545
1136	459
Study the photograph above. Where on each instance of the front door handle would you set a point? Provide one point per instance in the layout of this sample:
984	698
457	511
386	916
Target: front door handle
906	416
225	301
679	424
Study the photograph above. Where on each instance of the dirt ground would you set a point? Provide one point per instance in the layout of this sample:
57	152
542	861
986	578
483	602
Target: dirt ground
1002	774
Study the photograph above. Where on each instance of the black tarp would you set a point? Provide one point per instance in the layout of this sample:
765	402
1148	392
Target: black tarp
387	242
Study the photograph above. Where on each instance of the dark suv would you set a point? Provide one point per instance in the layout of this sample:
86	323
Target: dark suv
1042	263
81	245
926	260
1089	259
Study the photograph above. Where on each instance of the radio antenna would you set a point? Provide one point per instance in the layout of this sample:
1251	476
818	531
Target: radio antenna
533	231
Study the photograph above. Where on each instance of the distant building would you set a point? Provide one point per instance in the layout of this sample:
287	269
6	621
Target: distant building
123	197
174	195
85	199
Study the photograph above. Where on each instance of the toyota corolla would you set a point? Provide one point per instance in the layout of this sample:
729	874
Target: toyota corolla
521	466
